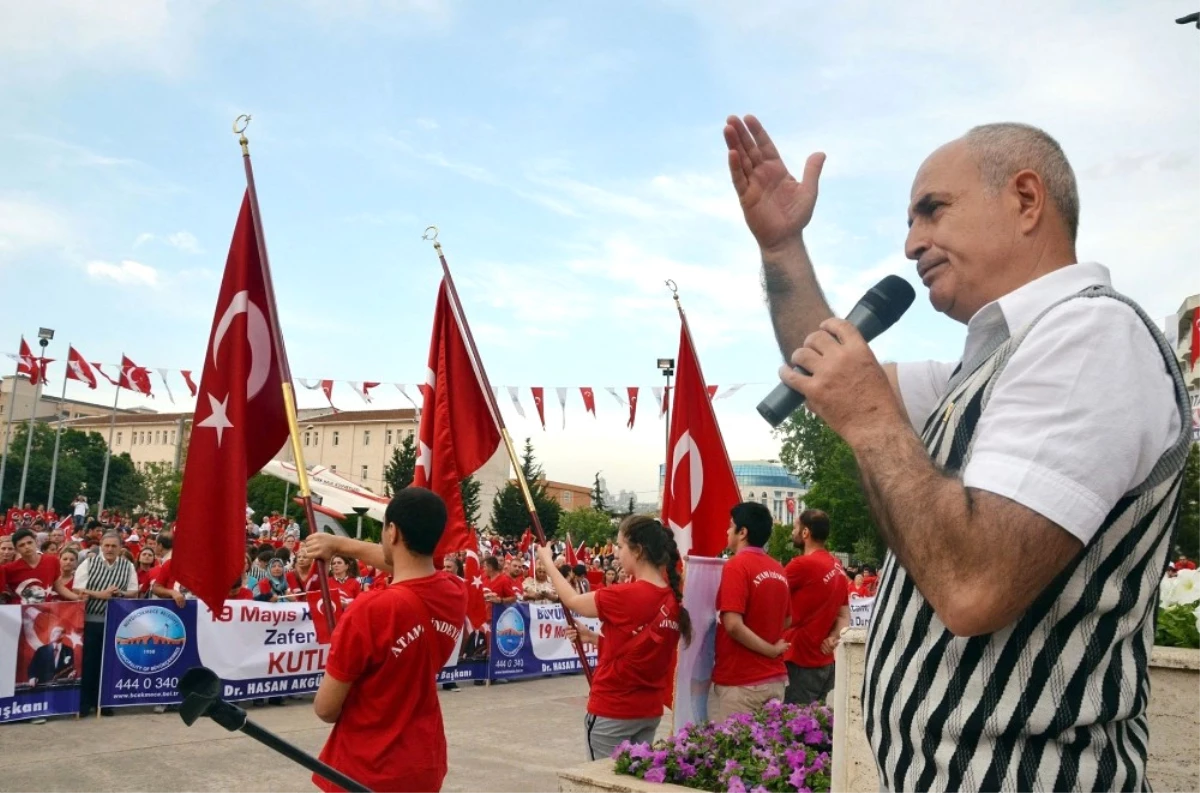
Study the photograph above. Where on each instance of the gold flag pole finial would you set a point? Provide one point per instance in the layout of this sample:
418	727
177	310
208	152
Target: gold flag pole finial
674	292
431	234
239	128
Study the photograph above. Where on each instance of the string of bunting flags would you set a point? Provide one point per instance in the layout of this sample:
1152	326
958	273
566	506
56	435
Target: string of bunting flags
138	379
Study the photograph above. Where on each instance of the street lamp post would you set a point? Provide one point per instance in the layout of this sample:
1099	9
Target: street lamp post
667	367
360	511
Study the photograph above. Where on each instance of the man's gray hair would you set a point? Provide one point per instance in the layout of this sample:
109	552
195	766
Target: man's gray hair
1001	150
112	533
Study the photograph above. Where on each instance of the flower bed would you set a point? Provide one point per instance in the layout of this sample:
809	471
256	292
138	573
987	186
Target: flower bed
778	748
1178	612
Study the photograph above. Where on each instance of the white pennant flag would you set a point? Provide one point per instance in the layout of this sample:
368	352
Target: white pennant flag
658	396
311	385
562	403
364	390
496	393
730	391
163	374
400	387
516	400
612	390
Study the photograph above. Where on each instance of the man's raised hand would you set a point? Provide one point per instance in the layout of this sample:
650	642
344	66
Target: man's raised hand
776	206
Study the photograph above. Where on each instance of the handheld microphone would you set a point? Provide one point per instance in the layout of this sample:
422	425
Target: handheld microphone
874	313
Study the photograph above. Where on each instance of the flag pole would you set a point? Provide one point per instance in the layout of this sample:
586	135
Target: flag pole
285	370
112	423
57	438
8	422
431	234
40	375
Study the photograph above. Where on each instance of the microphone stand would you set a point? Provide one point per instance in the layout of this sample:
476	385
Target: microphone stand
201	690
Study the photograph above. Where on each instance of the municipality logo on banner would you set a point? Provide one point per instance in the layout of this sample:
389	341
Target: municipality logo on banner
150	639
510	632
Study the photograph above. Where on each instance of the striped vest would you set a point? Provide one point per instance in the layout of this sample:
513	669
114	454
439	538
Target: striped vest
1057	700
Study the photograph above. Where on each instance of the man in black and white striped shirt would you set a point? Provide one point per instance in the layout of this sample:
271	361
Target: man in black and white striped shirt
1026	492
100	578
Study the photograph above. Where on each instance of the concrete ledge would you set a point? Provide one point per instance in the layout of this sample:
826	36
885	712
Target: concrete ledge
599	776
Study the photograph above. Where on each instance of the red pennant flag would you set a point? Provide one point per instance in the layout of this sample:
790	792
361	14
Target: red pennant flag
79	369
187	378
134	377
666	400
712	391
633	394
29	366
240	423
327	388
699	488
457	434
589	400
539	395
317	609
1195	353
572	557
100	369
526	541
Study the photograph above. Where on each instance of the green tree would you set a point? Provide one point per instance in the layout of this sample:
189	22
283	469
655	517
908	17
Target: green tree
400	471
1187	525
266	494
632	507
163	483
80	469
598	496
780	545
815	454
469	489
510	516
586	525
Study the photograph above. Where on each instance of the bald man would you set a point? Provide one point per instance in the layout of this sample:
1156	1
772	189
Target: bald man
1025	491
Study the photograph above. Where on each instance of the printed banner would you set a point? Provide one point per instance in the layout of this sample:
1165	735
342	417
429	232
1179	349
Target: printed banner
41	660
530	640
861	609
257	649
469	659
693	671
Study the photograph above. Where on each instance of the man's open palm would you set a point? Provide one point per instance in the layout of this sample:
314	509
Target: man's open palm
776	206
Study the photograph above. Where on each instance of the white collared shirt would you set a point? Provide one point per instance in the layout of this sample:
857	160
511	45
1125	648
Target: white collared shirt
1080	415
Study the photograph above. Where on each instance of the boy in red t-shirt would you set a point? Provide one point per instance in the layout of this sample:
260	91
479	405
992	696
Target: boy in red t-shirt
752	602
34	577
820	595
379	688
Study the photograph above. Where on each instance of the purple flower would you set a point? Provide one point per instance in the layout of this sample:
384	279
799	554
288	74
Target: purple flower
771	772
735	785
795	758
657	774
641	751
797	778
622	747
686	770
758	789
817	764
732	767
814	737
659	758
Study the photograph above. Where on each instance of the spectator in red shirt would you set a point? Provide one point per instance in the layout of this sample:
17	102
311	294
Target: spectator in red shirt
7	551
820	609
1185	563
379	688
497	586
147	570
640	626
34	576
344	578
752	602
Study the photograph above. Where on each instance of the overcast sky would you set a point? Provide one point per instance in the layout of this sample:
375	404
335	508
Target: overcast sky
572	157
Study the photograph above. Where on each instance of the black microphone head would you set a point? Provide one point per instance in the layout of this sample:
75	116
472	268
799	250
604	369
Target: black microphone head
201	688
889	299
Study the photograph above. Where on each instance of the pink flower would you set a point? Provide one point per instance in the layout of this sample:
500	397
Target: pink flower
736	785
658	775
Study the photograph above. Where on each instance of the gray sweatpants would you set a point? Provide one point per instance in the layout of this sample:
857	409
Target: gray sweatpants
603	735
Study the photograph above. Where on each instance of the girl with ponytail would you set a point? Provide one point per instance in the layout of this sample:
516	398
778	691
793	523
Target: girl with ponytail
641	623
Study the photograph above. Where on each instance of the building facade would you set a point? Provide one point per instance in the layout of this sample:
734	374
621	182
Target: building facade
21	395
569	497
764	481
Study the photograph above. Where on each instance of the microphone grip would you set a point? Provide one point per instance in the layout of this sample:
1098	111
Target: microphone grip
781	402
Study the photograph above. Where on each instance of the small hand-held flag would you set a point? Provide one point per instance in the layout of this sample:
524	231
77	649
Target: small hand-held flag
699	487
572	557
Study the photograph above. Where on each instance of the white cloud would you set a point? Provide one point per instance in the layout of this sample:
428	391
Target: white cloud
27	224
142	239
184	241
427	123
126	272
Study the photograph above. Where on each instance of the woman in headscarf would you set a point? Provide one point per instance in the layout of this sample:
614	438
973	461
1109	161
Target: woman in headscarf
274	587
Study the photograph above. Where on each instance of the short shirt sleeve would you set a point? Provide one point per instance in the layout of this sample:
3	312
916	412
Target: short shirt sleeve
734	592
1080	415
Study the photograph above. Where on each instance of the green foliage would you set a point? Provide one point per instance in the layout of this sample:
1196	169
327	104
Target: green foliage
510	516
632	506
780	545
587	525
1177	627
266	494
401	470
815	454
598	496
163	483
1187	525
867	550
80	469
469	488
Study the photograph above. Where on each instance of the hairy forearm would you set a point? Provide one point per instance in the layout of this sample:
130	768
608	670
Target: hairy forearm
964	549
794	296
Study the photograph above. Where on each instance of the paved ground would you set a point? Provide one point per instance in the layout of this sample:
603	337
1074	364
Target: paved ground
510	737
